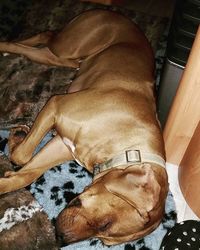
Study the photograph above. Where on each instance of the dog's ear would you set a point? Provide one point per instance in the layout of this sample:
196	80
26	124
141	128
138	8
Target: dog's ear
137	185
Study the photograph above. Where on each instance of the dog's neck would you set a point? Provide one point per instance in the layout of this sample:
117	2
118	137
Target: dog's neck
127	158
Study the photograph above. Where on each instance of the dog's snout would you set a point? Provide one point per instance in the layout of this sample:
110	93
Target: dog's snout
75	203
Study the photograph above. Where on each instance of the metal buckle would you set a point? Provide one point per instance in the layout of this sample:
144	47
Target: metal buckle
135	161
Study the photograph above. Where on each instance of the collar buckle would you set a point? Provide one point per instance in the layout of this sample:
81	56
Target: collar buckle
133	156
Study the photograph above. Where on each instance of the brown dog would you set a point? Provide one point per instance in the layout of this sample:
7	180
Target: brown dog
107	122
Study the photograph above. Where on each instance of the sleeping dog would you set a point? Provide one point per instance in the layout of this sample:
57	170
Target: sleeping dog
106	122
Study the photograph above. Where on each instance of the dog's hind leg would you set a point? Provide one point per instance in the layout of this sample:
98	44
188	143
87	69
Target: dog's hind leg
86	35
42	38
39	55
55	152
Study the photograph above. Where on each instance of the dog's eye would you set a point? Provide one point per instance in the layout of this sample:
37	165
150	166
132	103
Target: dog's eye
105	226
75	203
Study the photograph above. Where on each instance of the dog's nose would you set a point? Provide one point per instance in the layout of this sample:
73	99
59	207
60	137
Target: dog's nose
60	240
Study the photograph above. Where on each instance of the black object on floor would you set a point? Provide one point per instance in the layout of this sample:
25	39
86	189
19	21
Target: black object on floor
183	236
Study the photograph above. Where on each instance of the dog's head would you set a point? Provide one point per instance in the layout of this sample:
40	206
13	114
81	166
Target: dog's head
120	206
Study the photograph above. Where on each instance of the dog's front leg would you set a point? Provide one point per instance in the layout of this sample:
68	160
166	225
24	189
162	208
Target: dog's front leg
55	152
44	122
59	112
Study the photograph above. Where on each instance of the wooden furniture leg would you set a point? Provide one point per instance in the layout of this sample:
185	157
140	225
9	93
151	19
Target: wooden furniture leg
185	112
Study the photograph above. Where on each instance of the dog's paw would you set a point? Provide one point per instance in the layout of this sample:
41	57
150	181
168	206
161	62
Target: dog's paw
16	136
8	174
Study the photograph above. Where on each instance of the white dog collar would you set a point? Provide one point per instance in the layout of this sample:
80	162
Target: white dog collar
129	157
